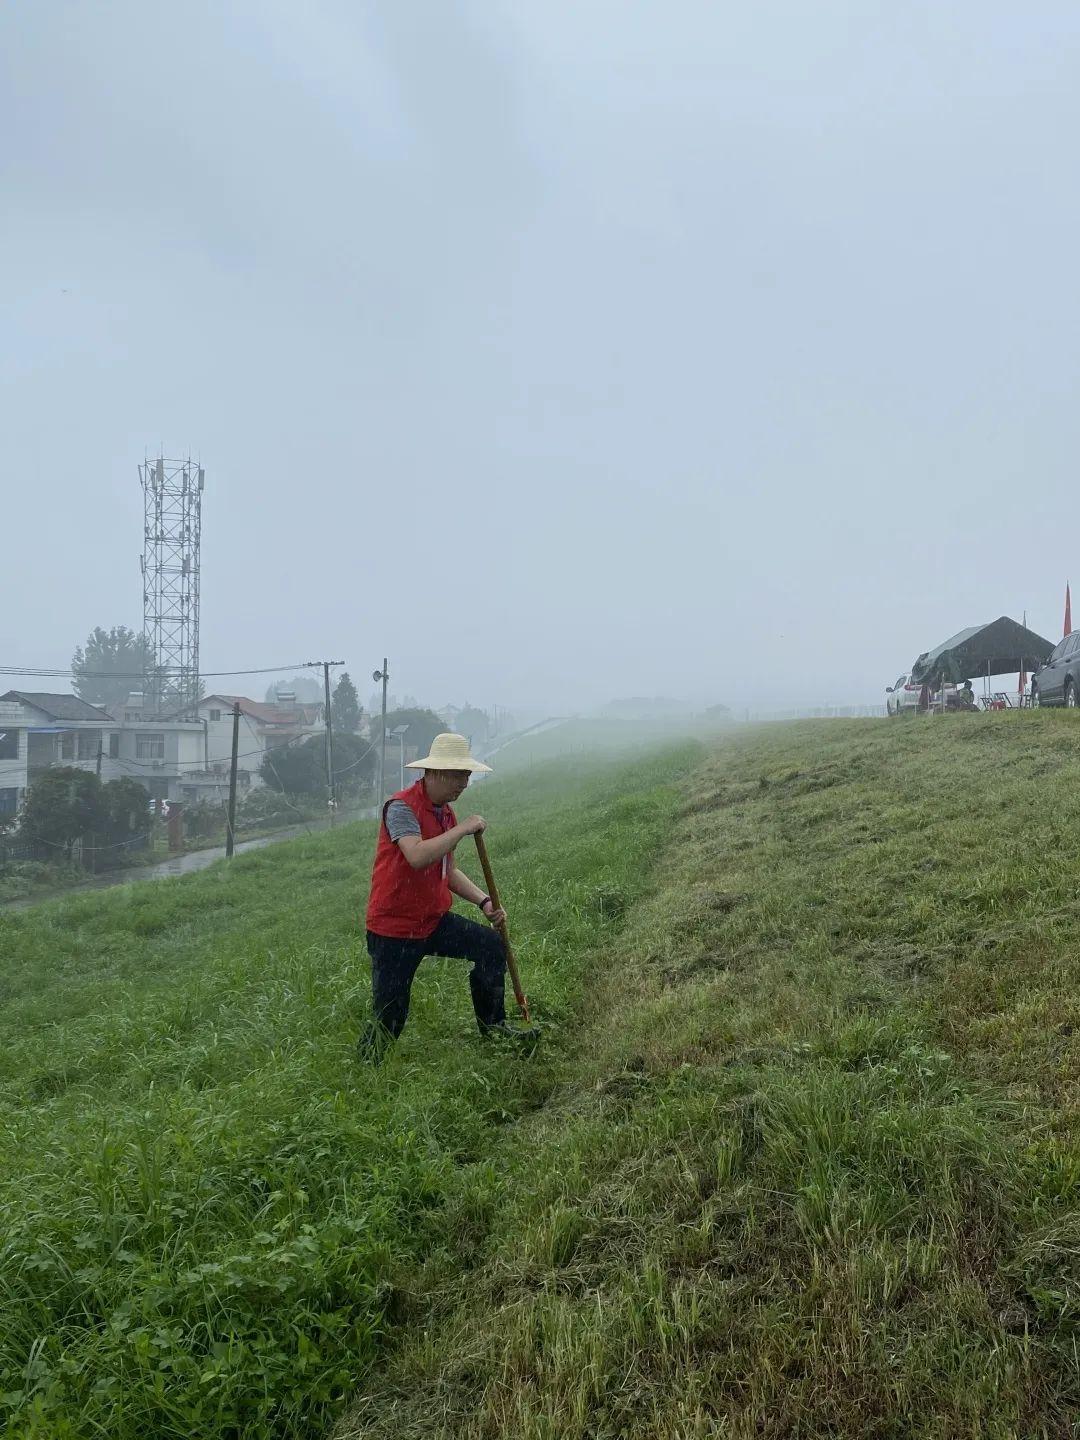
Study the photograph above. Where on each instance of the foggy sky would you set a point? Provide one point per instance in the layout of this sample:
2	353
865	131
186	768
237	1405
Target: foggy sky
557	349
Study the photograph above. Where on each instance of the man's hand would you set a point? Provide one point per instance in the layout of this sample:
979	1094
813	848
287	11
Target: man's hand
497	917
422	853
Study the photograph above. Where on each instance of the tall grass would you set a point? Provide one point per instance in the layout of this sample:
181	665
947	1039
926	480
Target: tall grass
812	1168
206	1204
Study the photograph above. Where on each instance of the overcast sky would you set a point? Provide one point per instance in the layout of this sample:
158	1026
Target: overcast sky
557	349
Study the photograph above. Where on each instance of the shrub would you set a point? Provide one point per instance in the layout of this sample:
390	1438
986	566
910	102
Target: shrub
301	769
62	805
203	818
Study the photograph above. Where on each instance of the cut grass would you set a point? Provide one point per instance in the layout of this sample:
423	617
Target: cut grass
204	1201
812	1169
798	1156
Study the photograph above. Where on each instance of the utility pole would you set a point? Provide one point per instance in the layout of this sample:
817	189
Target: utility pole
328	726
231	823
329	742
384	676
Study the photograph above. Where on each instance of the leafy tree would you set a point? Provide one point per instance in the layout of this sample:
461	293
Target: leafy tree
474	724
123	824
354	764
202	818
296	769
124	810
423	725
104	667
345	707
62	805
301	769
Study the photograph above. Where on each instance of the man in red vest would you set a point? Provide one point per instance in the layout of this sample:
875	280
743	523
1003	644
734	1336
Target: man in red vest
413	882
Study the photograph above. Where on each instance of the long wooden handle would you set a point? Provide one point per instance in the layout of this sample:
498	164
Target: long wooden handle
511	962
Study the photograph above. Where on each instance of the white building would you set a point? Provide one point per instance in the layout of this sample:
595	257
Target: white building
263	727
37	731
169	758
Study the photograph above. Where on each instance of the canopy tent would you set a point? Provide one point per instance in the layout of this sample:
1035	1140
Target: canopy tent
1000	648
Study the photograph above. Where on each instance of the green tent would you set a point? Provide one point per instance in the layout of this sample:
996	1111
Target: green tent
1001	648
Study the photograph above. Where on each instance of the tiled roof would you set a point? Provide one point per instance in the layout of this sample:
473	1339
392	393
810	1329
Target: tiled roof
269	714
58	707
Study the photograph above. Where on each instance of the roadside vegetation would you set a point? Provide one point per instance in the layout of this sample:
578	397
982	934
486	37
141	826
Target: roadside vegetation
22	879
259	813
204	1200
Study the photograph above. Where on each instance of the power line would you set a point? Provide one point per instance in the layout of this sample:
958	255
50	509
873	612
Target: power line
344	770
43	673
267	756
163	764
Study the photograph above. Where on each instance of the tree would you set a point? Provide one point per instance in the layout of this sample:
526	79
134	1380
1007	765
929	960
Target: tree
423	725
474	724
345	707
111	665
123	824
61	806
354	764
301	769
296	769
124	810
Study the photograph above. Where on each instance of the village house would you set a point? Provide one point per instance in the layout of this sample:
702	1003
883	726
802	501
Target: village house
264	725
167	757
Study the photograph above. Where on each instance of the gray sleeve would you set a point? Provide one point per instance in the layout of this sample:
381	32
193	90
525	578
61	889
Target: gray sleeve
400	820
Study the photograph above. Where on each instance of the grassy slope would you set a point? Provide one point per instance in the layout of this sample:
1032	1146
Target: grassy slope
812	1169
587	739
204	1201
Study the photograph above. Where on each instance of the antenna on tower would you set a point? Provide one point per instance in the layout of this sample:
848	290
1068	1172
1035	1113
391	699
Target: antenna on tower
172	534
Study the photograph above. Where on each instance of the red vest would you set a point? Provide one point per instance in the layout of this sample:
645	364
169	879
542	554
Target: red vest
408	904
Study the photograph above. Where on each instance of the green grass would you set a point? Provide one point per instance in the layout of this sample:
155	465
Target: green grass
205	1202
797	1157
812	1167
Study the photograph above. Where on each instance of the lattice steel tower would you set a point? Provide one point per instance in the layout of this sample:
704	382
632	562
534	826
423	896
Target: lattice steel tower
172	530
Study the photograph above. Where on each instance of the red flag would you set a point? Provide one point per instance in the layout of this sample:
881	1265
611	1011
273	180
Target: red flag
1068	611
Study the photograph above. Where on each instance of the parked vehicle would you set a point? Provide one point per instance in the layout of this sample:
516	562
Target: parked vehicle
903	697
1057	680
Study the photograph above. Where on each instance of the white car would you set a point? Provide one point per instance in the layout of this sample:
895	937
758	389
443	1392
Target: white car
903	697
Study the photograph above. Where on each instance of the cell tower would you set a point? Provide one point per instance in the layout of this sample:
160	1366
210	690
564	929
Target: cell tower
172	530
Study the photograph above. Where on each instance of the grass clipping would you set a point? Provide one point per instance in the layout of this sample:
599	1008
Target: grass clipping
811	1169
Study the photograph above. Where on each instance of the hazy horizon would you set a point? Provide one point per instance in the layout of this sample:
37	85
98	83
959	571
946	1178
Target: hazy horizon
557	352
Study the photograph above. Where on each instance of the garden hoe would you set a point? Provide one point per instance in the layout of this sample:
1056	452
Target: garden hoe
511	962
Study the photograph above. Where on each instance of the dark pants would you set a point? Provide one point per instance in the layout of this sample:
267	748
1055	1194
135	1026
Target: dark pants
395	962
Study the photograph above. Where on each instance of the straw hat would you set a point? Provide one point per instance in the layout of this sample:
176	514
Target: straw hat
449	752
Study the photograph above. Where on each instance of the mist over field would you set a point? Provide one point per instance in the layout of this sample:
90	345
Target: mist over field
558	352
